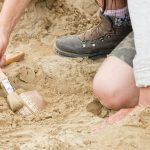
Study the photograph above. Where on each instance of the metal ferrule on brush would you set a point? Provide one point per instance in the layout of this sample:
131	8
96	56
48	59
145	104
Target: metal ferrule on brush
6	85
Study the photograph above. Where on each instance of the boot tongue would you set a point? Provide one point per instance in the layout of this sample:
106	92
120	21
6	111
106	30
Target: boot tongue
96	32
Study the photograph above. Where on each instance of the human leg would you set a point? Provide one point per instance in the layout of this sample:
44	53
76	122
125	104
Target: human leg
114	83
112	4
9	16
100	40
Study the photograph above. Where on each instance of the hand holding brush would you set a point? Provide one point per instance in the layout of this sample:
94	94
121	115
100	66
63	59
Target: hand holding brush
26	103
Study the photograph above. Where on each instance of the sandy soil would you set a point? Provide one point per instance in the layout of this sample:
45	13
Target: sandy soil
66	84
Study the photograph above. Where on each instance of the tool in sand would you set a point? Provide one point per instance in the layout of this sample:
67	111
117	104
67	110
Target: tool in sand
15	57
26	103
13	98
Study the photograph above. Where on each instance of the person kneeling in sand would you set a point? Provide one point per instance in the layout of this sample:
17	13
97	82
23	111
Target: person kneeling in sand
123	80
115	84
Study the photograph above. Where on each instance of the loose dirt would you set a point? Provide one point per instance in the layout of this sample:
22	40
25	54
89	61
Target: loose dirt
66	84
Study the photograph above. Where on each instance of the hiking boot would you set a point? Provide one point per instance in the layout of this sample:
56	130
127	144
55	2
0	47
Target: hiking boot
98	41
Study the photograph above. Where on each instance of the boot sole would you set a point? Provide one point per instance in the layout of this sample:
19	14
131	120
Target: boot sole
101	53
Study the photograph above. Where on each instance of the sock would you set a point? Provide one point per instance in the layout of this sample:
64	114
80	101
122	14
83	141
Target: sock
121	16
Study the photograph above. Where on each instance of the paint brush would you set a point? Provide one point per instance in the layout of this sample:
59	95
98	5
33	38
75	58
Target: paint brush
13	98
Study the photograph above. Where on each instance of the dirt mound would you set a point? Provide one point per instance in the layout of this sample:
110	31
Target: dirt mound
66	84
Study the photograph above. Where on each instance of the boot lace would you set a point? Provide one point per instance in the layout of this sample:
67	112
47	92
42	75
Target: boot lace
99	32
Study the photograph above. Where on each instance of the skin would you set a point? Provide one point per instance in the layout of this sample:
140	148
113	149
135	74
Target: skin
114	93
114	85
113	4
116	89
9	16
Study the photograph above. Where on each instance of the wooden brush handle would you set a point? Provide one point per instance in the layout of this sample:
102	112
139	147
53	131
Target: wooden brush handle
15	57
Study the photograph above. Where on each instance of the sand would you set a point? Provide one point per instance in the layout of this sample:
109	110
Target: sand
72	115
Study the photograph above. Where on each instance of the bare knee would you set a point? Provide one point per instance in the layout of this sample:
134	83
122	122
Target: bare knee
107	95
111	87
